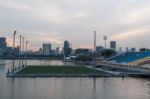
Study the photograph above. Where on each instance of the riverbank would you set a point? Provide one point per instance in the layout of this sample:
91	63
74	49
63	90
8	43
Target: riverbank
59	71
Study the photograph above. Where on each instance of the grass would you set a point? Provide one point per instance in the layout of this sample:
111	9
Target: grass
59	70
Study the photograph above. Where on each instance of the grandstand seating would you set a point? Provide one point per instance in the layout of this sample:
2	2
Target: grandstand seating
129	57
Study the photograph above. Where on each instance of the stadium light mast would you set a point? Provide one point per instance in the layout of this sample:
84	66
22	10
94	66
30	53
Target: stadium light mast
14	41
105	38
13	51
20	43
94	41
94	53
26	46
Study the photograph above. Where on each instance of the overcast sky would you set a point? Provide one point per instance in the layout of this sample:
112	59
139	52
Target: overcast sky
53	21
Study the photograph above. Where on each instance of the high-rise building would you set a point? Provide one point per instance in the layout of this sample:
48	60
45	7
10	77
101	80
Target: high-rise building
3	43
67	49
46	49
113	44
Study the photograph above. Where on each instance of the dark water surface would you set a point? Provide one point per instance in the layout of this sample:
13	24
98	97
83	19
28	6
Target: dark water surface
70	88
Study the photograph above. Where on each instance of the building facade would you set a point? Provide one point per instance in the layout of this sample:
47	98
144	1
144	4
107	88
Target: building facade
113	44
3	43
46	48
67	49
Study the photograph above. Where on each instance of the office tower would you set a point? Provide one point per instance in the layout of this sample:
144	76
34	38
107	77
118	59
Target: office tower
113	44
67	49
46	48
3	43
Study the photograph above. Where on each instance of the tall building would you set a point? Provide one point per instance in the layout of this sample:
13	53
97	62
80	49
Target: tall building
46	49
67	49
113	44
3	43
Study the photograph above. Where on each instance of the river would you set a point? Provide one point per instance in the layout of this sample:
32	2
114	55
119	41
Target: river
69	88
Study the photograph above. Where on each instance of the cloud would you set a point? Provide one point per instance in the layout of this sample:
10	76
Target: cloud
40	38
9	41
130	34
136	15
54	21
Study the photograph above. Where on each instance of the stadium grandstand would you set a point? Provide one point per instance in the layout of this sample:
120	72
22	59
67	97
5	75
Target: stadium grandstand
131	58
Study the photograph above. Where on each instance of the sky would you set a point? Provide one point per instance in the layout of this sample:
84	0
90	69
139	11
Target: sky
52	21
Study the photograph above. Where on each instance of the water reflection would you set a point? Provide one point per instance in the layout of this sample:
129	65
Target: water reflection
94	88
70	88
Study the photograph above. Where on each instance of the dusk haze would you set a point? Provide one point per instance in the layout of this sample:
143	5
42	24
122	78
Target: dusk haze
54	21
74	49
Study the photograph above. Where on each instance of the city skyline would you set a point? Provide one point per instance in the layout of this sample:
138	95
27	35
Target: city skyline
126	22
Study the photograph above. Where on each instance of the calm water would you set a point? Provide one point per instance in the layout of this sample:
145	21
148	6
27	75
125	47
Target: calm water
70	88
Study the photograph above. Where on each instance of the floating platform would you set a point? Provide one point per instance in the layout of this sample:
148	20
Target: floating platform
59	71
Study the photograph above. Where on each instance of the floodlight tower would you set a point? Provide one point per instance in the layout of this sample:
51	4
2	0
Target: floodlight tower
94	53
14	41
23	45
26	46
94	41
105	38
20	43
